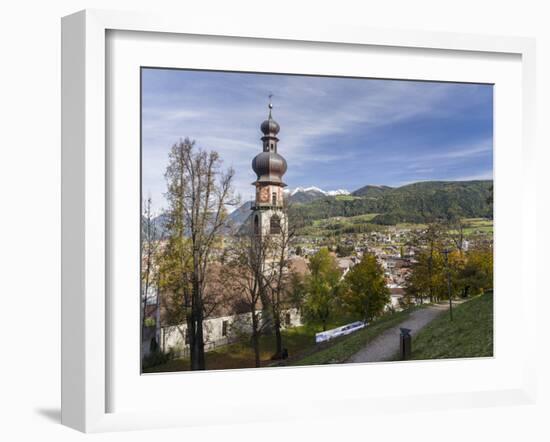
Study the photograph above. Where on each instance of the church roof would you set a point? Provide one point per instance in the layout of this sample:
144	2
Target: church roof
269	167
270	127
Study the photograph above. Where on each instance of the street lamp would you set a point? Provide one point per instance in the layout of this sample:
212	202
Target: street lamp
446	253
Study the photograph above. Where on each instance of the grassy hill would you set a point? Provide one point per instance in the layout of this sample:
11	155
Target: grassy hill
341	349
371	191
470	334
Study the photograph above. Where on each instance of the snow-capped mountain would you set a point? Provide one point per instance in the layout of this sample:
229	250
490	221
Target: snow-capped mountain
317	190
308	194
338	192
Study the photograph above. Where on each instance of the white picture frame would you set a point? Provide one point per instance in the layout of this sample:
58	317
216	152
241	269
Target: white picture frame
87	207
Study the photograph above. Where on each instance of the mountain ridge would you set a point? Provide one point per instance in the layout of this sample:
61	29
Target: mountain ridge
415	202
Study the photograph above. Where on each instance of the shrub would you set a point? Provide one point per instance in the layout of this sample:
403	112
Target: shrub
157	358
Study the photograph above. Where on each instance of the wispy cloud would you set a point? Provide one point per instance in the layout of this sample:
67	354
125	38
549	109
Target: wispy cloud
337	133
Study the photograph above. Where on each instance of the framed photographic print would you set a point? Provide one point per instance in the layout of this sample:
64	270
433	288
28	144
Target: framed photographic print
288	260
298	211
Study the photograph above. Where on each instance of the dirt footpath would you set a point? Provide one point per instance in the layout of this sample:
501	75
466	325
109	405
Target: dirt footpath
386	346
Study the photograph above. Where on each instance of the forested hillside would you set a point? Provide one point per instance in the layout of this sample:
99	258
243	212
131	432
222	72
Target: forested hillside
418	202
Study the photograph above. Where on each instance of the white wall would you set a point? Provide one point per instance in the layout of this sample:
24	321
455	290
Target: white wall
237	325
30	221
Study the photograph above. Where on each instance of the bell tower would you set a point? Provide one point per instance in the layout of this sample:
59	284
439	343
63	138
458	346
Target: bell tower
268	217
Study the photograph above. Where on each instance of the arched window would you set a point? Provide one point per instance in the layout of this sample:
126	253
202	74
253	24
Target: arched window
275	225
274	198
256	225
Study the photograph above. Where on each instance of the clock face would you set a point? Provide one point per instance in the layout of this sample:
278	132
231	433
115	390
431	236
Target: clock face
264	194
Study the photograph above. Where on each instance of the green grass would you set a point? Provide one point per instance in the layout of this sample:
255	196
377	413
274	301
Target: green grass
347	197
337	225
411	226
324	223
470	334
473	226
343	348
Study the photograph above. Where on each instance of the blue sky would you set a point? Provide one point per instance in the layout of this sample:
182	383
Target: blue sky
336	133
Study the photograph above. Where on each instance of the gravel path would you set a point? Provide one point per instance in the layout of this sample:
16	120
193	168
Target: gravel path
385	346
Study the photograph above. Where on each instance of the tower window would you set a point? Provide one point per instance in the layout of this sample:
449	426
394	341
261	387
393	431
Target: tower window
274	198
275	225
256	225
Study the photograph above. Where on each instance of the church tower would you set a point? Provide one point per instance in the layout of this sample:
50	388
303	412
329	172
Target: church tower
268	217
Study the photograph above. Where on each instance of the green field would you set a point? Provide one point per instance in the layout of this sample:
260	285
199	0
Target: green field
411	226
475	226
350	220
470	334
339	225
347	197
362	223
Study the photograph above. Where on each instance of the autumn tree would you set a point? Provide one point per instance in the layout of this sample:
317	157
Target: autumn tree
456	233
149	245
321	285
296	290
198	192
277	275
246	283
425	279
365	293
476	273
175	277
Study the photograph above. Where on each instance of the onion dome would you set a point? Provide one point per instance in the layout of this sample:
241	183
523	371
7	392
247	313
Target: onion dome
270	126
269	167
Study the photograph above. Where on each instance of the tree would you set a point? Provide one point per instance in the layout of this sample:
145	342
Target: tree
425	279
246	283
365	293
490	202
456	233
174	282
439	260
344	250
321	285
149	246
198	193
276	273
476	274
296	290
